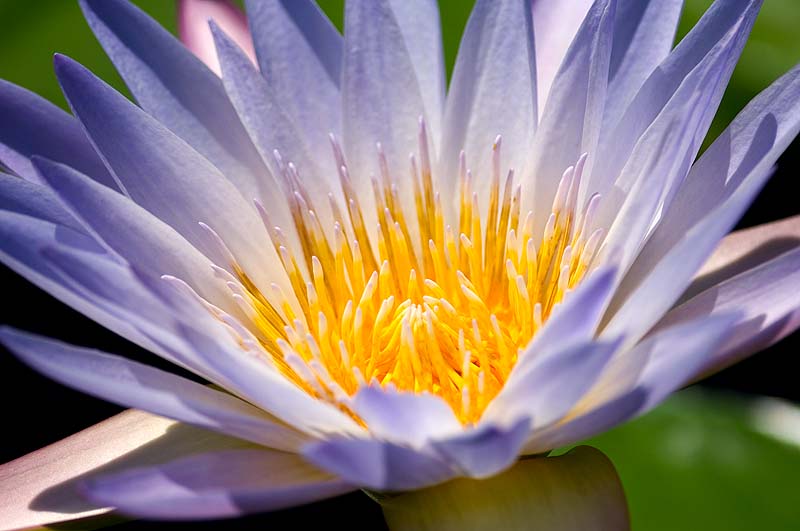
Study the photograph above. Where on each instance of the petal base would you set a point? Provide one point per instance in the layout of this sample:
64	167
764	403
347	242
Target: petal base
579	490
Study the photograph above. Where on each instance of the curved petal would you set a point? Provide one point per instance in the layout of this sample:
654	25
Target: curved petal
767	297
132	384
193	17
637	380
300	55
132	232
644	31
745	249
716	41
39	489
165	175
32	125
756	138
214	485
571	119
24	237
404	417
34	200
578	491
379	465
555	24
485	450
177	89
492	92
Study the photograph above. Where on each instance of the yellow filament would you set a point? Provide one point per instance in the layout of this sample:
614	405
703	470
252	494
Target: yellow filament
439	311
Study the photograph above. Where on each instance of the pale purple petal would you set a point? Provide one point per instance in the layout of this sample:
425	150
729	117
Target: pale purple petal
548	389
32	125
767	297
644	31
35	200
492	92
272	129
555	24
130	231
132	384
404	417
300	55
717	39
745	249
379	465
193	17
485	450
165	175
214	485
419	22
24	237
176	88
637	380
381	99
571	119
40	488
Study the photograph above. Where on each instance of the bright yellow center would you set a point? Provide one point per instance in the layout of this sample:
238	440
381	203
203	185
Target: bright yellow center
432	308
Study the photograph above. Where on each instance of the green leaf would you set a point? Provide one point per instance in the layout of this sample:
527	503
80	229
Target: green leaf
709	461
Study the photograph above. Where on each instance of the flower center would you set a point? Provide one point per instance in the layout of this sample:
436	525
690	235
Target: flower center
432	308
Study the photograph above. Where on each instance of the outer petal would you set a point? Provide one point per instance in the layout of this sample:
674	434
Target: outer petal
177	89
132	384
131	232
300	54
637	380
379	465
34	200
40	488
767	297
578	491
165	175
570	123
492	92
193	17
555	24
644	31
215	485
745	249
718	38
758	135
32	125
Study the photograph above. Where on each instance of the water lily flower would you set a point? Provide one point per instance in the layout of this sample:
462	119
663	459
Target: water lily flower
391	282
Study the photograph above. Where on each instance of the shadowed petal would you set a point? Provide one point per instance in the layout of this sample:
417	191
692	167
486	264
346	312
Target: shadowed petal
578	491
215	485
32	199
379	465
745	249
177	89
165	175
31	125
132	384
40	488
193	18
767	297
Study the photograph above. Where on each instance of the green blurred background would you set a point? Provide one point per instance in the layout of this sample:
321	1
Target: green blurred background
705	460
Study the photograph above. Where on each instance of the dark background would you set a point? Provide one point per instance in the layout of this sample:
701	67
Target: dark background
37	412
